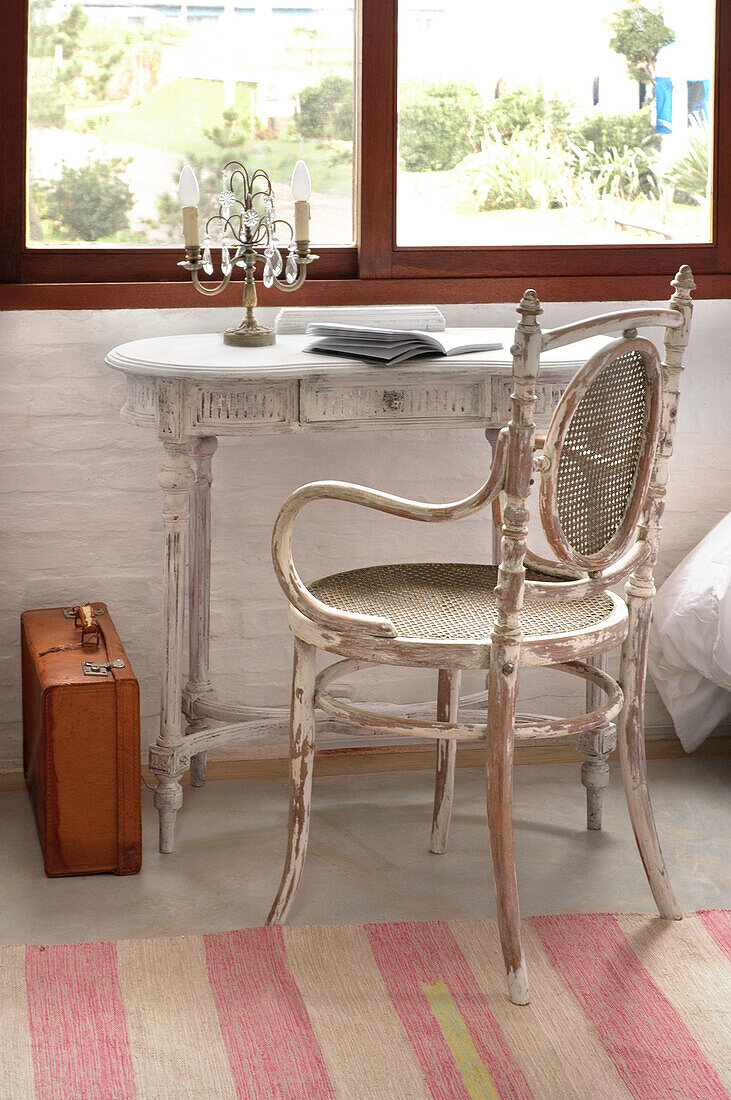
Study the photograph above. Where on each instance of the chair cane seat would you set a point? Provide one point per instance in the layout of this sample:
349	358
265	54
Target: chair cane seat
451	601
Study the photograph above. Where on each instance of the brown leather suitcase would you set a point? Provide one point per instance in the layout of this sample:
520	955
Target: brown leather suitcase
81	741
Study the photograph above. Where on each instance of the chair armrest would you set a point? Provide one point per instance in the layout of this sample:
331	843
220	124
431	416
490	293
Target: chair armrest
294	587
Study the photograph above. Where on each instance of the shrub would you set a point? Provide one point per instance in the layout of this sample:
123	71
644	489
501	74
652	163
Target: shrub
616	131
439	124
46	105
617	153
326	110
622	173
526	109
523	172
91	202
689	174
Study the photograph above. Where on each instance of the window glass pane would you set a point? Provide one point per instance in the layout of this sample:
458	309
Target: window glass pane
122	93
569	122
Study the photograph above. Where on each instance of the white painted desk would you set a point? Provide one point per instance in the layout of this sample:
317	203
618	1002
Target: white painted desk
192	389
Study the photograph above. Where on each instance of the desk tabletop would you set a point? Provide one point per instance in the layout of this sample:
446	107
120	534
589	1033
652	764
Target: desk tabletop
204	355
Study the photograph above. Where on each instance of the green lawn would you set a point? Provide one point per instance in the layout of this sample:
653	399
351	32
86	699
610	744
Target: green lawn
174	116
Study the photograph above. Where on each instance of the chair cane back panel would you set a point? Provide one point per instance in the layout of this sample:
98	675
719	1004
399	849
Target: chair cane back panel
600	446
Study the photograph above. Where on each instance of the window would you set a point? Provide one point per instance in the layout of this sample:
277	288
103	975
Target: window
536	142
121	97
479	155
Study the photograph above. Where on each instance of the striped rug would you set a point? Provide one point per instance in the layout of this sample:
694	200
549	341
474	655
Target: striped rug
623	1006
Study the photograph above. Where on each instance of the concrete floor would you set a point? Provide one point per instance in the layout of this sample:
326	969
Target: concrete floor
369	857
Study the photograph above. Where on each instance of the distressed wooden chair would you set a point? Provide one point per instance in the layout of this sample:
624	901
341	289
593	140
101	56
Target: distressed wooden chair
603	472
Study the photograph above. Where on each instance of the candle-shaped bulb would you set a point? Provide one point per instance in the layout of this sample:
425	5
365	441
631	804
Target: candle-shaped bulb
301	182
188	189
189	193
301	191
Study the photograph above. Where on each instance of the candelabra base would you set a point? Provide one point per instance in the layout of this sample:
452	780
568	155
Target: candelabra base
250	335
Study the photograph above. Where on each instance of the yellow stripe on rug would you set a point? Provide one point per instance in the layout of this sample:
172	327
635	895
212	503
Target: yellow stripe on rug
363	1042
456	1033
537	1033
175	1038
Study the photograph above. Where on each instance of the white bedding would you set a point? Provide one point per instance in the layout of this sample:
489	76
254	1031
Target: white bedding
690	639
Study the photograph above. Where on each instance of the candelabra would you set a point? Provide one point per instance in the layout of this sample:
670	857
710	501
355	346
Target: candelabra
249	229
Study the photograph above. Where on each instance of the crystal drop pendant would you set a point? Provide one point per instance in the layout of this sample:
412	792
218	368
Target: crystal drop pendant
291	269
225	259
277	263
206	258
268	273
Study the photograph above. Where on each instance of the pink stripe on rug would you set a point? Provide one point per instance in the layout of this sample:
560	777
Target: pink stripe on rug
78	1032
271	1046
652	1049
423	953
717	923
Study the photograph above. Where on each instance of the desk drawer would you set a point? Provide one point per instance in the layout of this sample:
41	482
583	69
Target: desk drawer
427	402
225	407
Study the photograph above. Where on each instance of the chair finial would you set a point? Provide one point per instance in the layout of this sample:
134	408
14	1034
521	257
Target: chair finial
684	281
529	307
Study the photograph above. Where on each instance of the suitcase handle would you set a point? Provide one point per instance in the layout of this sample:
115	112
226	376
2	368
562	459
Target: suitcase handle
90	629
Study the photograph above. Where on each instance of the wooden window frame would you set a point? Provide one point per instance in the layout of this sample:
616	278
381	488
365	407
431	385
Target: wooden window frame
376	270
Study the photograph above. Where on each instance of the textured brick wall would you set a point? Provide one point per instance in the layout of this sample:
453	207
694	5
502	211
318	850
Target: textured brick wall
81	506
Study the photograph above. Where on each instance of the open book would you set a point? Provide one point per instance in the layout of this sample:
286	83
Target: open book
386	346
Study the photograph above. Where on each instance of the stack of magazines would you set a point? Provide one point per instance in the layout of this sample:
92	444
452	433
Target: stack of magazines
387	346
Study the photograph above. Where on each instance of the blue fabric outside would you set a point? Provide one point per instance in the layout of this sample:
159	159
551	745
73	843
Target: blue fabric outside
664	105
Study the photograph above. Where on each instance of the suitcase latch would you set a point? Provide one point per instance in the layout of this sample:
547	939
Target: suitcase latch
70	612
100	668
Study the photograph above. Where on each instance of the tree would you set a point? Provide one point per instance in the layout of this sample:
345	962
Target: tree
232	136
89	203
71	28
326	110
639	35
42	33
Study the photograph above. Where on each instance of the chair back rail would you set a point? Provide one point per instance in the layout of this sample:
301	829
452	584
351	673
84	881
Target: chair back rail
608	323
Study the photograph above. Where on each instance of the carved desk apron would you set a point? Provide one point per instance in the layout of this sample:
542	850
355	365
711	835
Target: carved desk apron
192	389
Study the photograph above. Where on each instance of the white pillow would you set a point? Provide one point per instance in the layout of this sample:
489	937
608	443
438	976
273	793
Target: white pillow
690	640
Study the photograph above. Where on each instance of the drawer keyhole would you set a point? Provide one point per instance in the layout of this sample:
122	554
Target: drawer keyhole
393	400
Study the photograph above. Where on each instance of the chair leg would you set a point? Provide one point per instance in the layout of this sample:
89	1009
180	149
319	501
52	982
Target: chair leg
596	745
301	760
447	711
502	682
631	736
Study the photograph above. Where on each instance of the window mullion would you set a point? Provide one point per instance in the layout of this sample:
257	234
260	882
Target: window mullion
376	119
12	139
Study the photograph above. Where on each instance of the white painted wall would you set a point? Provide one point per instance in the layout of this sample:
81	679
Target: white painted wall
80	505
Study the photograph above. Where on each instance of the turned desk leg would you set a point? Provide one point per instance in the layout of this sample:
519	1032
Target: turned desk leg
491	435
168	759
199	619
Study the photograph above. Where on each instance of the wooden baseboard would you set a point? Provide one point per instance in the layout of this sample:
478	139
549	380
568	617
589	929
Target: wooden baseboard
363	761
409	758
